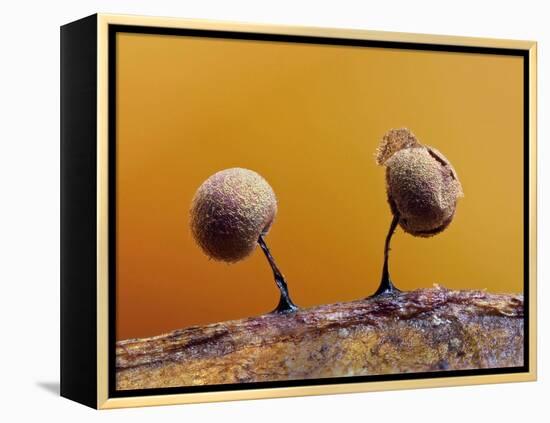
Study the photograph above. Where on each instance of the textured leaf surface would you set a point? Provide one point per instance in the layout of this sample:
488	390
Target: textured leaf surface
418	331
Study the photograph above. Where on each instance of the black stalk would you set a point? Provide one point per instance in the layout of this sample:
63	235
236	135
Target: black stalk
285	303
386	285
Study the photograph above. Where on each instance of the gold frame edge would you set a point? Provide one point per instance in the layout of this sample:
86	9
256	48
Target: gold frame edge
102	214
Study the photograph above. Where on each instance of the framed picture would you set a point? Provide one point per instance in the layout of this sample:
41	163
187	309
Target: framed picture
253	211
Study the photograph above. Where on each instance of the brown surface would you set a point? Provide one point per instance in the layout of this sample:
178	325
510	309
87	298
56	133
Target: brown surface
417	331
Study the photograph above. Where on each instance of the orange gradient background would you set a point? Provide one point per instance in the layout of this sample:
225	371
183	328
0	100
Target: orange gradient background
308	118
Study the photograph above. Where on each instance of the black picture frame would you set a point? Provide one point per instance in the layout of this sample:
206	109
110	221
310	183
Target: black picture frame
80	53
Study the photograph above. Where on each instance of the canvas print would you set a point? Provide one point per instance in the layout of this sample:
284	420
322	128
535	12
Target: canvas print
289	212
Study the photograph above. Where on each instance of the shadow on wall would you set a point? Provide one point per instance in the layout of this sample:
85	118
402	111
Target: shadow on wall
51	387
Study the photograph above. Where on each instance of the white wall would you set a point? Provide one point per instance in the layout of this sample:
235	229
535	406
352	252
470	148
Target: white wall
29	178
